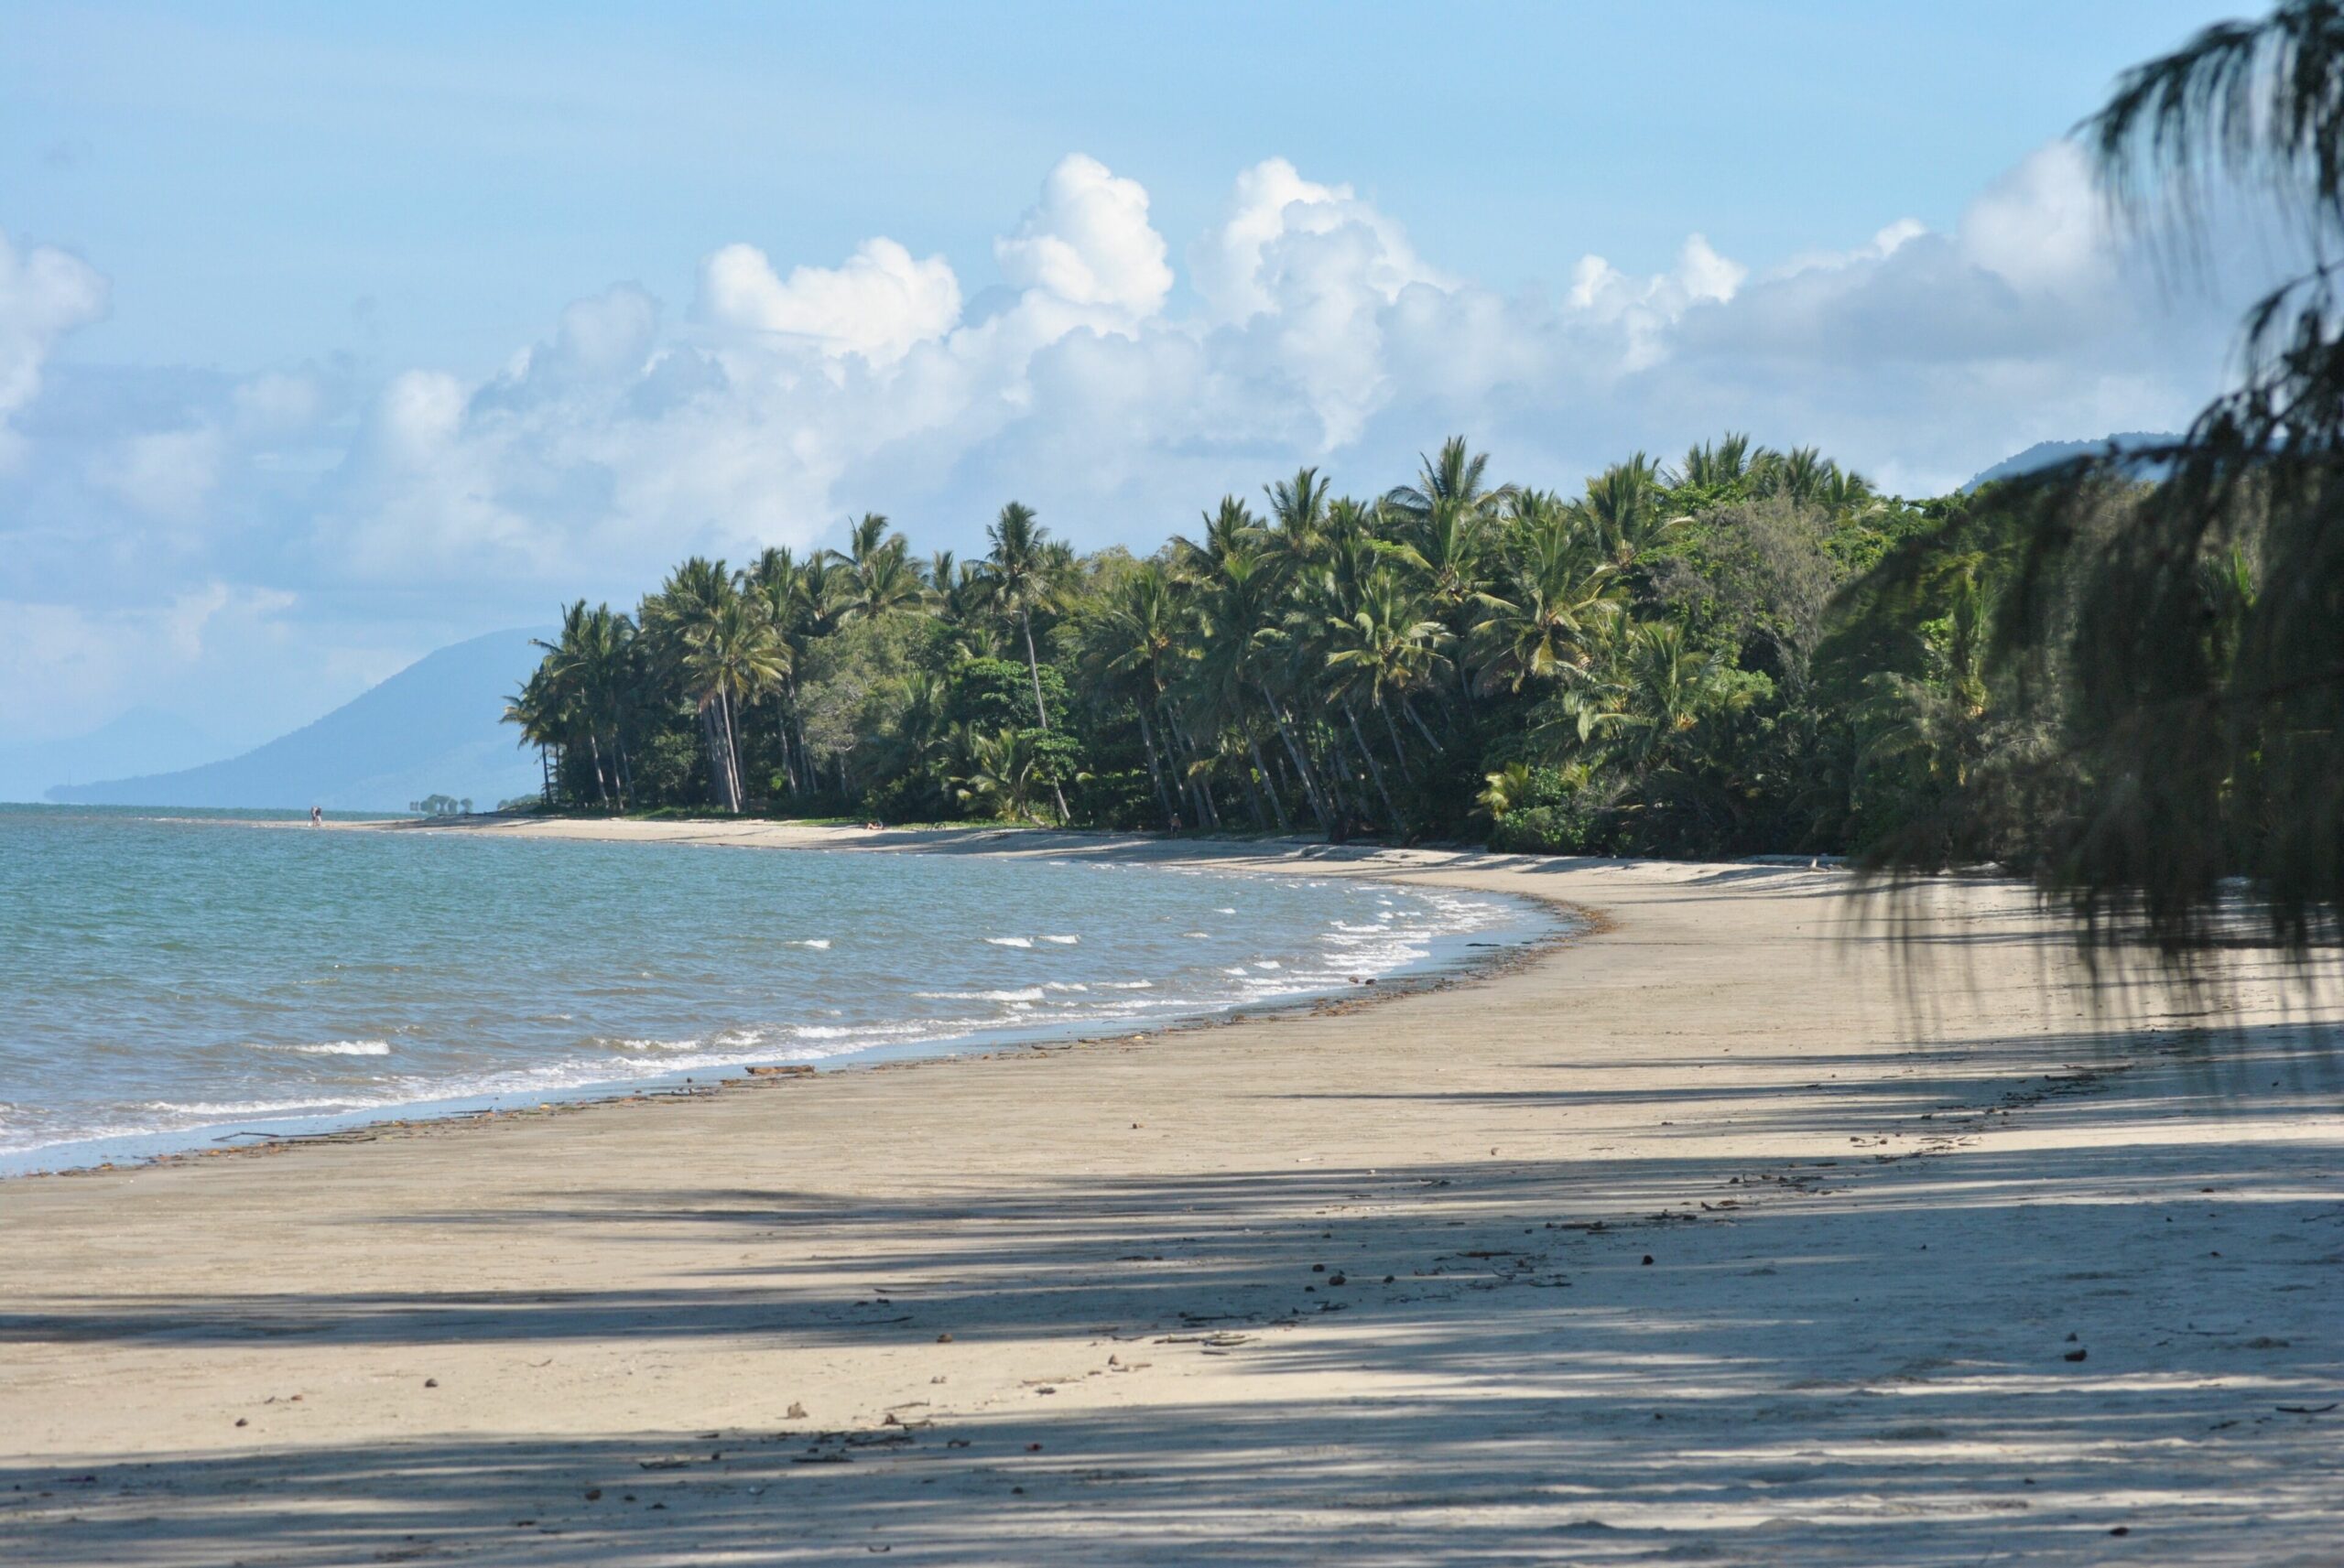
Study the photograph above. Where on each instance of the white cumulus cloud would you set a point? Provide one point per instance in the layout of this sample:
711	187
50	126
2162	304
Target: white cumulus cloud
878	303
777	401
1087	245
45	292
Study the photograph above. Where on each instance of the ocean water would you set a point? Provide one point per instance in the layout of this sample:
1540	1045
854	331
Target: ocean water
171	982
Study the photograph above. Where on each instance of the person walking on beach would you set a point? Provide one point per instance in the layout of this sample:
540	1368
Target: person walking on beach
316	817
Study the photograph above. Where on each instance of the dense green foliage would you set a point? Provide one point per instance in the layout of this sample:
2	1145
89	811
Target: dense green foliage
1679	660
2158	734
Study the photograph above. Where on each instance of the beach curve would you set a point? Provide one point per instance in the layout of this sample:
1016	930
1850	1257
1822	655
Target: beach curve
1373	1280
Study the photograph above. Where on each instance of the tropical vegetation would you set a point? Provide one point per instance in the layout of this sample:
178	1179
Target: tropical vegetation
1677	659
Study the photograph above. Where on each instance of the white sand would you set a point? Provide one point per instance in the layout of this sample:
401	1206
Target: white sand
1867	1256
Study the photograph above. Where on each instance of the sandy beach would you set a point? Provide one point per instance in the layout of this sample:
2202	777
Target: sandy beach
1718	1232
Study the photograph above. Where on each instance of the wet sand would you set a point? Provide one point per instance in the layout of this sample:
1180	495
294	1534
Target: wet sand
1699	1236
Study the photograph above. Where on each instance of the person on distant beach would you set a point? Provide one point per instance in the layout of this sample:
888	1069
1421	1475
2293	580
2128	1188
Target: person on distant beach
316	817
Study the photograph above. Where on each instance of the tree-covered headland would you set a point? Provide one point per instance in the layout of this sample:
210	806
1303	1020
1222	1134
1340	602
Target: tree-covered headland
1682	658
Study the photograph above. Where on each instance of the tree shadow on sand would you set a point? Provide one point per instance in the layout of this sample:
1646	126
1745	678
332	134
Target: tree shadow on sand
1853	1358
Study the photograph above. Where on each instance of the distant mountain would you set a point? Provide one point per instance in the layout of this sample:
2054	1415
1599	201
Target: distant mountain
143	740
2049	454
434	727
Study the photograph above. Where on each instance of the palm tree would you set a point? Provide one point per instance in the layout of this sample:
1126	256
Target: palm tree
1454	476
590	670
1660	690
1443	544
881	578
1625	505
1022	575
1708	467
535	709
1800	474
1389	647
726	651
1559	586
1005	773
1298	518
1228	528
1132	643
1236	615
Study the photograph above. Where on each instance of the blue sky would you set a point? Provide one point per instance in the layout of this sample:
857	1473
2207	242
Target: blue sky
329	334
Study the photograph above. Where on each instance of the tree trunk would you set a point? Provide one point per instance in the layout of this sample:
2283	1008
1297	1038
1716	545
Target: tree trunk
788	755
1398	755
1408	707
594	750
1336	770
720	776
733	756
1254	804
1254	746
1374	769
1207	814
1034	668
1301	766
544	770
1155	772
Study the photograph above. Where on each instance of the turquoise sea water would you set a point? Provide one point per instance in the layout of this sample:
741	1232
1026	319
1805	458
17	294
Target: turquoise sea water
168	982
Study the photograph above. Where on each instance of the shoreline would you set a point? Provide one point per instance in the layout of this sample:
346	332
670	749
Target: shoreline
1679	1239
366	1124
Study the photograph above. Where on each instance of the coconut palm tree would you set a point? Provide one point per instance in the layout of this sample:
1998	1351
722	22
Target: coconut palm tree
731	655
1132	644
1557	589
1455	477
1626	503
591	668
1712	466
1801	474
535	709
1004	774
1658	691
1023	575
881	578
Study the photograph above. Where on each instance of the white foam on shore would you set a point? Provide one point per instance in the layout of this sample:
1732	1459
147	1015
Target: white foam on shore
1026	993
335	1048
245	1107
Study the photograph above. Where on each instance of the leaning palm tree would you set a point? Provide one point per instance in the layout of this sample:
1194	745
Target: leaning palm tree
1378	652
536	709
591	667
